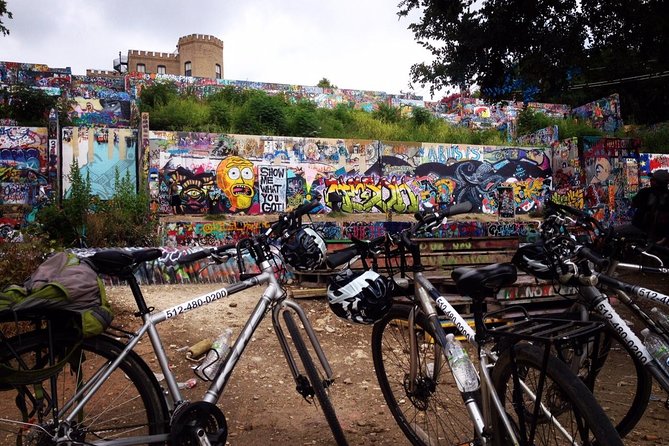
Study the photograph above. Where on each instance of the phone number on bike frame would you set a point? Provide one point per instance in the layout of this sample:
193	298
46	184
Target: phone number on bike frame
195	303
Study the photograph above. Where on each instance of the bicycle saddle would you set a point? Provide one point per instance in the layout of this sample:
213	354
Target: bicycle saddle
114	262
483	281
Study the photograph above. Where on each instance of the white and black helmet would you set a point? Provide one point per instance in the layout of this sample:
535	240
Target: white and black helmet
363	297
304	250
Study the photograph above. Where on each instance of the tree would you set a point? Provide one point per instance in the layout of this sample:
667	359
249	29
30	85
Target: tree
3	11
541	50
325	83
30	106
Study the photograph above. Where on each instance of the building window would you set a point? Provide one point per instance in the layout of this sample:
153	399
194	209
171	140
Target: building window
141	68
188	69
162	69
218	71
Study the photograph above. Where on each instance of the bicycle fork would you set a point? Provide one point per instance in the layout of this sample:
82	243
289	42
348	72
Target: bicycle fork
302	387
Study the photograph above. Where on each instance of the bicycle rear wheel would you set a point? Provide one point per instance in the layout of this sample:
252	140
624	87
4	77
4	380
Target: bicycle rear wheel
574	416
129	403
429	409
316	380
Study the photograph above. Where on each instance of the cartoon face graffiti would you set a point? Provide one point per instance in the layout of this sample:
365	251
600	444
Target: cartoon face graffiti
235	177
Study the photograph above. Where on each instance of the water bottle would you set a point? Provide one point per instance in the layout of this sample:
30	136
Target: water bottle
463	370
657	348
219	348
661	318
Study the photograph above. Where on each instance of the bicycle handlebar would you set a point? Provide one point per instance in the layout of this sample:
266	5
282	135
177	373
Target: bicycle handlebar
359	247
593	256
426	220
204	253
291	220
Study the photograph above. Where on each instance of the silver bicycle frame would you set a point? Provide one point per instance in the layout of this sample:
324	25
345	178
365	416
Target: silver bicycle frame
272	297
425	292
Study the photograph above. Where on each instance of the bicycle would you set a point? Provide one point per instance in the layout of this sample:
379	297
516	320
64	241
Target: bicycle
522	394
100	391
571	253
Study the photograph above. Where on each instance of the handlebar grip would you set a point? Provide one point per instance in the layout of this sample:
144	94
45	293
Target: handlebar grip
193	256
594	257
306	207
204	253
459	208
341	256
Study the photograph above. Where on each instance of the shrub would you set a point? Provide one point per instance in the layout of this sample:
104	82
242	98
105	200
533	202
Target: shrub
124	220
18	259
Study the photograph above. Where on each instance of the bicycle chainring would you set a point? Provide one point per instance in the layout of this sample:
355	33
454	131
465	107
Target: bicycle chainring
199	416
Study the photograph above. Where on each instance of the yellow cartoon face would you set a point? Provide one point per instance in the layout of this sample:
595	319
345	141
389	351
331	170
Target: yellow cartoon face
235	177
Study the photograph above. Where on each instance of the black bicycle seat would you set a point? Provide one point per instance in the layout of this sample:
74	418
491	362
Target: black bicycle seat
483	281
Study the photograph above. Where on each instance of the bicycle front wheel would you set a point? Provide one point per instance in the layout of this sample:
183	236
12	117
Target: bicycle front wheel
622	384
129	403
568	415
428	407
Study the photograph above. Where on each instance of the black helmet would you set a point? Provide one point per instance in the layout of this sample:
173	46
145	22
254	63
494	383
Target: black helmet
304	250
363	297
534	259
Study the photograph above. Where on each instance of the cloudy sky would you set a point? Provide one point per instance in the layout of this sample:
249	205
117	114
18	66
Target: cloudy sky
357	44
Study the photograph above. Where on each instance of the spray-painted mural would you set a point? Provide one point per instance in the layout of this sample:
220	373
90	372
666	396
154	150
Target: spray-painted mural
568	174
189	233
99	153
53	81
609	165
602	114
109	112
255	175
545	137
24	169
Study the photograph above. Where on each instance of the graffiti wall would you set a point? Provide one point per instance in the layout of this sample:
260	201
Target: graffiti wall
200	233
100	153
545	137
603	114
53	81
609	166
233	174
24	170
109	112
568	175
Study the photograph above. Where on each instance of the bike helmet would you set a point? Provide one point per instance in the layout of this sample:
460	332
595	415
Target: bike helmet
363	298
533	259
304	251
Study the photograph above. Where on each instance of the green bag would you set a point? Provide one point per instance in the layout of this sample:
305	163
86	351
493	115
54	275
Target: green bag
64	283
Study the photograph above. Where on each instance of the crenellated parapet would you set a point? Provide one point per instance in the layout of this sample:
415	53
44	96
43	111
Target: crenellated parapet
200	38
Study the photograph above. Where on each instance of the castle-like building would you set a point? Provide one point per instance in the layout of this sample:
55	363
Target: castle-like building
197	55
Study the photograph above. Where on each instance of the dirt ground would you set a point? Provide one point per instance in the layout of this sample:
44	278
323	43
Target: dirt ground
260	403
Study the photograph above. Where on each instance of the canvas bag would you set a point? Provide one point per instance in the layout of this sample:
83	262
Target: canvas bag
65	283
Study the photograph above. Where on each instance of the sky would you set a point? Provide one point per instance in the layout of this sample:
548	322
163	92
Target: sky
355	44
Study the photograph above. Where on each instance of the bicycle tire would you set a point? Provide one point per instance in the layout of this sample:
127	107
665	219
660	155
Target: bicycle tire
433	413
129	402
565	395
315	379
625	396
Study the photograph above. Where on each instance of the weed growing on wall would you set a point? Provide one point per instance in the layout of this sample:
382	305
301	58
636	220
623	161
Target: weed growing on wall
124	220
66	223
83	220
